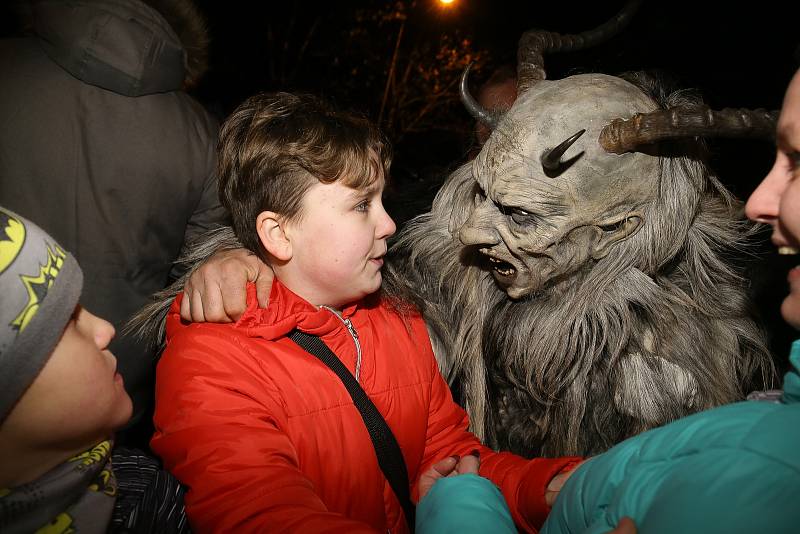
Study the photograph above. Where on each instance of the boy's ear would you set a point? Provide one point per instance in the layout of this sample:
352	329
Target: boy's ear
270	229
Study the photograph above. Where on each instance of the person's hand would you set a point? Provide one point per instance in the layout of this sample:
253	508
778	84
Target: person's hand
556	484
625	526
449	467
216	291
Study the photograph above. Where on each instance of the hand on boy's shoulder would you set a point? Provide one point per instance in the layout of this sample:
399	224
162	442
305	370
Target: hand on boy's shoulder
216	291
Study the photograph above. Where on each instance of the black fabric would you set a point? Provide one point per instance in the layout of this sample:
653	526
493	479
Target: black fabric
390	457
149	499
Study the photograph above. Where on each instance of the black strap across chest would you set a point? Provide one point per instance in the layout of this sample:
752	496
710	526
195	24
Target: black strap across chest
390	457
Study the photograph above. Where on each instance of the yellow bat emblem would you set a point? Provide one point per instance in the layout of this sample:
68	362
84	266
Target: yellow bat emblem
12	237
38	285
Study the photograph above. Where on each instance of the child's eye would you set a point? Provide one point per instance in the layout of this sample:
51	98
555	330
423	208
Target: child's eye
363	206
794	160
792	163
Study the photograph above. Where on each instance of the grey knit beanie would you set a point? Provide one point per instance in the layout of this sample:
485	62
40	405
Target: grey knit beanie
40	285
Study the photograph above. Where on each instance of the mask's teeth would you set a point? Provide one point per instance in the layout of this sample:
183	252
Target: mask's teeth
788	251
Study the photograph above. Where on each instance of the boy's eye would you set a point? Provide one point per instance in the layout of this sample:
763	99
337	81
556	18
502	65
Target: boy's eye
363	205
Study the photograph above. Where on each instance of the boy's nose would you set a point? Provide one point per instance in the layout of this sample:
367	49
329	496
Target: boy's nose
101	330
386	227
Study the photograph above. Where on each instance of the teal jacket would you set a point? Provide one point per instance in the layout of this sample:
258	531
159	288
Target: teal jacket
464	504
732	469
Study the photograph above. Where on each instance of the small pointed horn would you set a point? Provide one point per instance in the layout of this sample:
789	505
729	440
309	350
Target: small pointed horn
551	159
475	109
627	135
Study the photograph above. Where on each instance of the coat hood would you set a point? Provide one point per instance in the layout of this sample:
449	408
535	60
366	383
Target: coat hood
124	46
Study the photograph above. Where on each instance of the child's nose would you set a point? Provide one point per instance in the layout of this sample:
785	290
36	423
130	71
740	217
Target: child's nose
386	226
764	204
102	331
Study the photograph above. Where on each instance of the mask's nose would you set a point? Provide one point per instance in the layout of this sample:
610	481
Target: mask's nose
480	228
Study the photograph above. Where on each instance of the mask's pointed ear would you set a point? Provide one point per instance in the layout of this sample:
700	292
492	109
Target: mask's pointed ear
272	233
615	231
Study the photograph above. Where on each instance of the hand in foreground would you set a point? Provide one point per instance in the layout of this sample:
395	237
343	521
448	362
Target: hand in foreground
556	484
216	291
449	467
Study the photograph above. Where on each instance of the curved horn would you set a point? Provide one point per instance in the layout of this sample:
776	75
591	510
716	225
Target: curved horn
551	159
475	109
621	135
535	43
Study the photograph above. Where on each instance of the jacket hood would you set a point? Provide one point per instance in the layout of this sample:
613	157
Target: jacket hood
124	46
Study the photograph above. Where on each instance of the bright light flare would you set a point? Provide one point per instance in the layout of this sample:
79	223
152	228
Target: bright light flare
446	2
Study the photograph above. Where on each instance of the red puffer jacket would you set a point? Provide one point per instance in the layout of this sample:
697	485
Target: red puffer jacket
267	437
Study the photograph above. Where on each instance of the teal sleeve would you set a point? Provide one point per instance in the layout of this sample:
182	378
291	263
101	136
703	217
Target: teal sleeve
791	381
735	468
464	504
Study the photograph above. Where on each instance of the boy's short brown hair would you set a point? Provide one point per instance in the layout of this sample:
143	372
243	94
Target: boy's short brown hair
274	147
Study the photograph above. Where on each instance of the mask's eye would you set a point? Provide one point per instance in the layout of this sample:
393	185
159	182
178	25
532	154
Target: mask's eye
522	217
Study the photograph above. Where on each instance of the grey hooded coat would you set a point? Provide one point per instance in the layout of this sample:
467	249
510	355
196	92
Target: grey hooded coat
101	148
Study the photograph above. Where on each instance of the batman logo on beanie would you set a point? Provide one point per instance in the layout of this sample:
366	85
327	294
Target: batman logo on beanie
12	238
37	285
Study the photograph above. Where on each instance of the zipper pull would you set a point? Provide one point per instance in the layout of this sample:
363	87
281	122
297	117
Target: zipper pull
351	328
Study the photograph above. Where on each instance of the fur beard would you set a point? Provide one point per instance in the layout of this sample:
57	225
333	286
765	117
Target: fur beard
599	357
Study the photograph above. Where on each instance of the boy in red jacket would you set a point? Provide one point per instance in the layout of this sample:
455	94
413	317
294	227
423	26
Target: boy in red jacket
266	436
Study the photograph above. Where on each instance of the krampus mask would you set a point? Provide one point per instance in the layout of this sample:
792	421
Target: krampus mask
576	276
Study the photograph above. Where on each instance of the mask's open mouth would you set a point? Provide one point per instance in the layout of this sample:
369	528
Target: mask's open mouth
503	268
504	273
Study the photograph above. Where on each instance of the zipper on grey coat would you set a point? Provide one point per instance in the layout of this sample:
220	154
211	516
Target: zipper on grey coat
353	334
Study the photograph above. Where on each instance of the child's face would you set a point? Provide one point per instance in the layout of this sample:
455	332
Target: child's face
338	244
78	398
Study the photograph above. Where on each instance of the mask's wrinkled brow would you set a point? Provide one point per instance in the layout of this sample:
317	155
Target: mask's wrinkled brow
546	201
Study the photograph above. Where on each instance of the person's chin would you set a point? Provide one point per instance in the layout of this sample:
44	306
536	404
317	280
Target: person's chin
123	412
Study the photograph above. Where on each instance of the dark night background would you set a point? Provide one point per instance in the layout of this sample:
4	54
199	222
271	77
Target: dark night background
736	54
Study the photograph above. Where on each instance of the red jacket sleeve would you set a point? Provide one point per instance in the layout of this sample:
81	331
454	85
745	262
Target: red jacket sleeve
522	482
219	432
